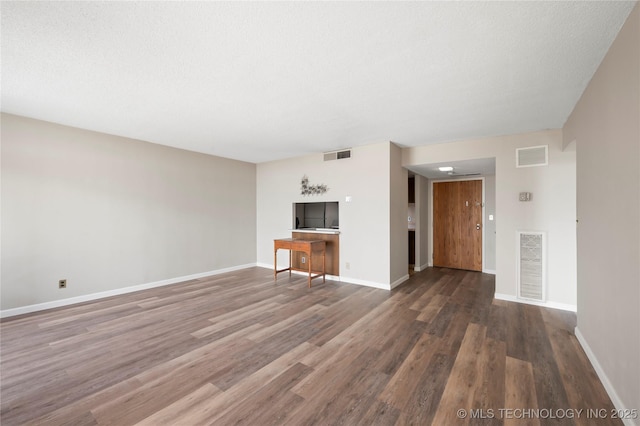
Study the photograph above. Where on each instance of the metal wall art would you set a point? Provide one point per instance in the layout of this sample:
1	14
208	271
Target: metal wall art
306	189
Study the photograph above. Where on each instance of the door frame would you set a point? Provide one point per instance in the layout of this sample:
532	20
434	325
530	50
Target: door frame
430	217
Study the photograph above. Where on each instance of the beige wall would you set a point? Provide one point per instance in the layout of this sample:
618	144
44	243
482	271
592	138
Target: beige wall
552	209
399	199
490	225
422	225
365	222
105	212
605	125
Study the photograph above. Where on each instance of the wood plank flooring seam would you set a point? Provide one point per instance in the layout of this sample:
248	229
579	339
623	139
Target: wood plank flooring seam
239	348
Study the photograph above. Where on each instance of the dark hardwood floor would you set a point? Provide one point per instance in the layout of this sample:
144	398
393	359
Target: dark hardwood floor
238	348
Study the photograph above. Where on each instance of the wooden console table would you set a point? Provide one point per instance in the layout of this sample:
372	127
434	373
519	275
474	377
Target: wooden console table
305	246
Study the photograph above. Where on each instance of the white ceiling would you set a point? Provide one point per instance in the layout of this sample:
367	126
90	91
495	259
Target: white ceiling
480	166
258	81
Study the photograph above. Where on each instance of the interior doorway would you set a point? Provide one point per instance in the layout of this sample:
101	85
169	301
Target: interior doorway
457	224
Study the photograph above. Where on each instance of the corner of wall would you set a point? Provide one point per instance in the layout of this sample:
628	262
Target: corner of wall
602	375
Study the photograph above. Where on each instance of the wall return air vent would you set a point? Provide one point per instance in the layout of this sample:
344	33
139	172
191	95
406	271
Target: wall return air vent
531	266
532	156
337	155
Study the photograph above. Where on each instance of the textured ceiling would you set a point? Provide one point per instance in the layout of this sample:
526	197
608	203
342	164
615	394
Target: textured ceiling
263	81
480	166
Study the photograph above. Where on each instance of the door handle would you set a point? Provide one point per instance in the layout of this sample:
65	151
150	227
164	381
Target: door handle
477	226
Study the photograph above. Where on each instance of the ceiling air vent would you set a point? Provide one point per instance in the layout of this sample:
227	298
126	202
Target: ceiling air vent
532	156
337	155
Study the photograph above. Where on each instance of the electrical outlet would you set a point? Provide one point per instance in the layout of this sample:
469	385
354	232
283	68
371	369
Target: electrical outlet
62	284
304	260
347	265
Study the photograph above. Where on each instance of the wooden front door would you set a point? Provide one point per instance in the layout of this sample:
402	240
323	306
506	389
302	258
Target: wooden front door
457	224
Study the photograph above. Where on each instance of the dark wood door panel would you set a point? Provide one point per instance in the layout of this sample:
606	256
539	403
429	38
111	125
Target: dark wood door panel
457	224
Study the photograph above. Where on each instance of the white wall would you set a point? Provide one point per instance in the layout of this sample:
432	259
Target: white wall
489	225
552	209
364	222
106	212
605	126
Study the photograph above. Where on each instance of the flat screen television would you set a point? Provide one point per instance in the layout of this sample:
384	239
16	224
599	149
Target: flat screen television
316	215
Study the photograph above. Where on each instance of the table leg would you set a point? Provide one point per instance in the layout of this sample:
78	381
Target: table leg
275	265
324	265
290	264
310	256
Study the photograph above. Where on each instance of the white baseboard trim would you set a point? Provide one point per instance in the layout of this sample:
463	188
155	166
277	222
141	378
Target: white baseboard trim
365	283
617	402
346	279
553	305
267	266
489	271
399	281
421	267
327	276
115	292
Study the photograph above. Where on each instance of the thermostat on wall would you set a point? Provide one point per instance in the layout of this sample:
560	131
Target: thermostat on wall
525	196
